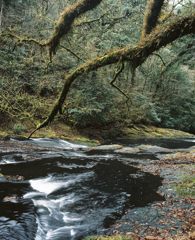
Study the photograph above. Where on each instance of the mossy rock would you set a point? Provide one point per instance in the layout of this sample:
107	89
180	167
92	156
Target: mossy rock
107	147
2	178
127	150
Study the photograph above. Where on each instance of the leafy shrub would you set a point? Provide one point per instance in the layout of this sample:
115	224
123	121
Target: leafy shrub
18	128
83	117
153	117
88	104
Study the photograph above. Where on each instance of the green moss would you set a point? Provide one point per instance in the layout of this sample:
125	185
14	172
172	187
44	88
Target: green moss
158	134
160	130
4	133
67	138
187	185
82	139
42	135
186	189
148	129
66	128
148	134
87	141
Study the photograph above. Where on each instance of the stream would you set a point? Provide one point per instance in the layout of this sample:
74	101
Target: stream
70	191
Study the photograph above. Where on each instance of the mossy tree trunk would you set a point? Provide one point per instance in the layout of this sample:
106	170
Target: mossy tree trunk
66	19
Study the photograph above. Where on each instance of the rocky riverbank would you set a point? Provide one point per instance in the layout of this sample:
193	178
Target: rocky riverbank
172	218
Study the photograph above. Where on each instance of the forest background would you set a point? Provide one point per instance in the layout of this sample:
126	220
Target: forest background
158	92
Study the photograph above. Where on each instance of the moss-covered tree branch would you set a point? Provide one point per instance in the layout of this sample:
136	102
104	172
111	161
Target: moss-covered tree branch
64	23
153	11
20	39
136	55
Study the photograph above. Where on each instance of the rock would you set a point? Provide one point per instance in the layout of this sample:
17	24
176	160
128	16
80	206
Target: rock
11	199
20	138
154	149
6	138
2	178
106	147
128	150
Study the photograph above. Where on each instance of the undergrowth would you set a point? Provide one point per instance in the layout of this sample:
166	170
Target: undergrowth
18	128
187	186
24	107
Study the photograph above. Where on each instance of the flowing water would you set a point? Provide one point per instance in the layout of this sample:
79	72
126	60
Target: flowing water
69	192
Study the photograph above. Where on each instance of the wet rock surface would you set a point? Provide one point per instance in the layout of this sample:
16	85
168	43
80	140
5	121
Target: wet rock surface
165	219
170	215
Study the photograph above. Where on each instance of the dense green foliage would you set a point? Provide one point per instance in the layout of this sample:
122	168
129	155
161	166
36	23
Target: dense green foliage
160	91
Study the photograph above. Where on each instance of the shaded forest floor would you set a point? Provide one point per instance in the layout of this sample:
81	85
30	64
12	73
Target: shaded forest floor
91	135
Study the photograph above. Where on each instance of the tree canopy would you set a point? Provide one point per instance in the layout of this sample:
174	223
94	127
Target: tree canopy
161	26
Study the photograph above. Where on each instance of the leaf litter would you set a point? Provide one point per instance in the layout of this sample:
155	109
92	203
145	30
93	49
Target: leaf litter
175	217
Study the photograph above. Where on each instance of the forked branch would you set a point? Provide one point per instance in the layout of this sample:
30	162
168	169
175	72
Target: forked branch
114	79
